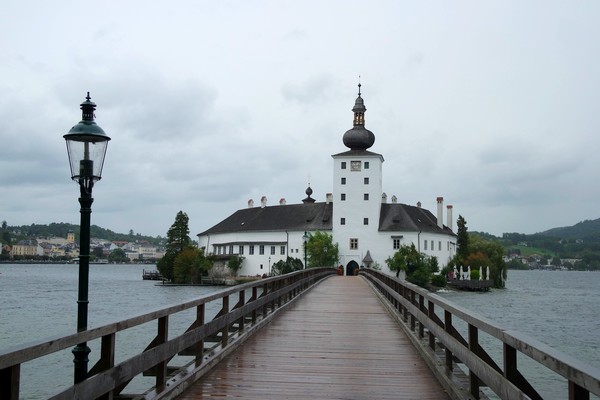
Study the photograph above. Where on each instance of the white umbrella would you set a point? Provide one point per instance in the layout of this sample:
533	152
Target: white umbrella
469	273
488	272
480	273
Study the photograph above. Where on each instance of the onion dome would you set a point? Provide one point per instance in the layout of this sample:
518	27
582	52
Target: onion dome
359	138
308	199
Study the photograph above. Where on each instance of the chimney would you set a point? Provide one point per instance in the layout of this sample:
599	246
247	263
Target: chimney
440	212
418	204
282	202
250	203
449	217
394	199
329	198
384	198
263	202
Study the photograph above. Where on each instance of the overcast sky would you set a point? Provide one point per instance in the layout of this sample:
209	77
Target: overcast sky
493	105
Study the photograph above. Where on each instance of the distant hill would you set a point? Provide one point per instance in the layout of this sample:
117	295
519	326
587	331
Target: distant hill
61	230
588	229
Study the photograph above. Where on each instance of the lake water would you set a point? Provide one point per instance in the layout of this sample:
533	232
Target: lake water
38	301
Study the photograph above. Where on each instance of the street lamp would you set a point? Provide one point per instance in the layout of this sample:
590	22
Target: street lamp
86	147
305	241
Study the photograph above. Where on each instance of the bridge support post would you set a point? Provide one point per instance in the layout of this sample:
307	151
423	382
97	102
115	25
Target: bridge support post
474	347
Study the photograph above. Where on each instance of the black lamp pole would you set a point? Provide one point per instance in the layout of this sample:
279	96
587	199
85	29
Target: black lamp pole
86	146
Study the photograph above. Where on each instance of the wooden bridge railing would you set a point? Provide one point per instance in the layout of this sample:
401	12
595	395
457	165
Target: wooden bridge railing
205	342
432	321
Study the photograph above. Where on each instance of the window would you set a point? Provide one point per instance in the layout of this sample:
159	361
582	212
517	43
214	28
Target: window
425	245
343	181
366	181
440	245
230	249
343	164
241	250
366	196
396	244
343	196
432	246
365	221
342	221
251	249
355	165
366	165
282	250
261	249
353	244
272	250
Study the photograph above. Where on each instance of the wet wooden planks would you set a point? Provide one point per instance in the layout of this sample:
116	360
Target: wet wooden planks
336	342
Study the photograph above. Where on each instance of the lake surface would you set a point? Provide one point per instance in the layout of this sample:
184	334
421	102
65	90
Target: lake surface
38	301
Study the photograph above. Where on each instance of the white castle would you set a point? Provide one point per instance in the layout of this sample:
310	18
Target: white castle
357	214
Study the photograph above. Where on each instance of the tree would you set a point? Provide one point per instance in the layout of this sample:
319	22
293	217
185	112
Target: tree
189	266
177	240
462	240
118	256
282	267
418	267
98	252
235	264
321	251
494	252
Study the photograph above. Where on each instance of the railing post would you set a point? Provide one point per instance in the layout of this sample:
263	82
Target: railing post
422	308
473	346
431	314
162	336
242	302
412	317
576	392
225	331
10	379
254	296
448	329
107	360
200	315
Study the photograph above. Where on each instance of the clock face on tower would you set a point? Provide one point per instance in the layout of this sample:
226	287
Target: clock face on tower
355	165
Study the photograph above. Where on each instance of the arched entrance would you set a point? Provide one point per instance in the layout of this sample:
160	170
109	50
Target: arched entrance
352	268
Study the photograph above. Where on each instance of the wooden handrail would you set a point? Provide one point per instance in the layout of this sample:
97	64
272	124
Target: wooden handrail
418	305
106	380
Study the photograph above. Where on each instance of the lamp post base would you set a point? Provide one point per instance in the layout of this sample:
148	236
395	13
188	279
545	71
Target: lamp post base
80	360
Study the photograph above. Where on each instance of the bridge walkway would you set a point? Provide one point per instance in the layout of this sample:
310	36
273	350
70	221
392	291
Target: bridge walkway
335	342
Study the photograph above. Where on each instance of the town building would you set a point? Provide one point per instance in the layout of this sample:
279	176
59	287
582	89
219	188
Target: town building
367	228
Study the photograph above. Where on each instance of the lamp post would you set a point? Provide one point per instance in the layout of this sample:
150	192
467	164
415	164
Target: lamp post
305	241
86	147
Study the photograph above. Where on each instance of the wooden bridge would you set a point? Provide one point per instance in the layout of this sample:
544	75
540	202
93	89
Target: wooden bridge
311	334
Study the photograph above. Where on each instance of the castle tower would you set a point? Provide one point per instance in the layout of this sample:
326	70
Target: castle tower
357	190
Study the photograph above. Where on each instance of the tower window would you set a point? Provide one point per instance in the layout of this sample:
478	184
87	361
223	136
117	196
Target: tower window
366	165
366	196
353	244
343	164
366	181
365	221
343	196
342	221
343	181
